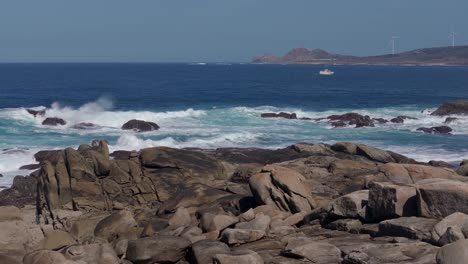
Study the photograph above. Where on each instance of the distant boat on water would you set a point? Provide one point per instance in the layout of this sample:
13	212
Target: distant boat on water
326	72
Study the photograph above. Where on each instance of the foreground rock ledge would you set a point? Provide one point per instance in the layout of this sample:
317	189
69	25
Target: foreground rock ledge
308	203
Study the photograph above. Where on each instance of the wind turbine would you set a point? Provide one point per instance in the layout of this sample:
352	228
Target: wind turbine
393	43
453	36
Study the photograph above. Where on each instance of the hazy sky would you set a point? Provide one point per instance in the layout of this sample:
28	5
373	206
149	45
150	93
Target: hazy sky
219	30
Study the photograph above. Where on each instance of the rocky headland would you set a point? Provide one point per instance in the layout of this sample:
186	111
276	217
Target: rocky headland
307	203
426	56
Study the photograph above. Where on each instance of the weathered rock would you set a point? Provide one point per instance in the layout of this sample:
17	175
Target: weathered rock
98	158
53	121
436	130
82	229
157	249
388	200
239	256
313	251
30	167
292	220
19	233
10	213
22	192
454	253
459	107
411	173
349	205
440	163
463	170
91	253
181	218
438	198
189	162
243	172
374	153
281	114
50	155
313	149
410	227
153	226
240	236
217	222
399	252
348	225
140	125
120	224
204	251
46	257
282	188
261	222
56	239
443	232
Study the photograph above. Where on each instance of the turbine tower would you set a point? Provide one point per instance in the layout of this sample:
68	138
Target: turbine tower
452	37
393	43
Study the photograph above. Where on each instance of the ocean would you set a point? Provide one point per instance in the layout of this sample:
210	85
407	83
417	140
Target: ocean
216	105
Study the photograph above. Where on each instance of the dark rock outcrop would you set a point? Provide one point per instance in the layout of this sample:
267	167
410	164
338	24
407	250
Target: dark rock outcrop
380	120
401	119
459	107
355	119
30	167
281	115
140	125
436	130
450	120
53	121
36	113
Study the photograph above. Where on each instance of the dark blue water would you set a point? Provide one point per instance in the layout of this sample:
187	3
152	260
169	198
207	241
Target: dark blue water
214	105
178	86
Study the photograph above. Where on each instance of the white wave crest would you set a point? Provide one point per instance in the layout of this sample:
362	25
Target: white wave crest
241	139
99	113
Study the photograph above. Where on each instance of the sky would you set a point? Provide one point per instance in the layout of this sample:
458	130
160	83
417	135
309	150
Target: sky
219	30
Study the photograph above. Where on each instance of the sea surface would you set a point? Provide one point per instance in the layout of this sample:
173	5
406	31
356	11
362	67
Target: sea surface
219	105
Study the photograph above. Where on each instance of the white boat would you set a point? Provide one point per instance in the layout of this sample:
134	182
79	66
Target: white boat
326	72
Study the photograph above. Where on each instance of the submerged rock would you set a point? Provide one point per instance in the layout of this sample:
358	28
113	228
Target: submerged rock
83	126
140	125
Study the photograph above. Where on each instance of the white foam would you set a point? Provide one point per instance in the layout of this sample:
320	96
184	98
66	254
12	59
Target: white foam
10	162
133	142
99	113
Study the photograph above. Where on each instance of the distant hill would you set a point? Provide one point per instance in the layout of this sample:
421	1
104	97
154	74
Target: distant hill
428	56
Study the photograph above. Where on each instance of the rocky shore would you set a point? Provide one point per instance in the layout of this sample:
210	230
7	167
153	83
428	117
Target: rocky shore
308	203
357	120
